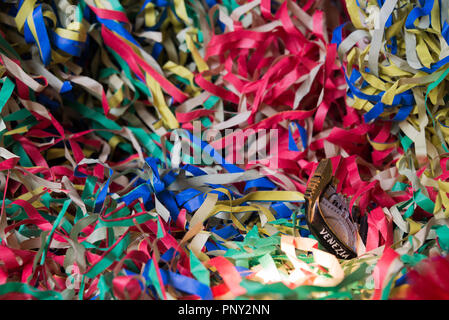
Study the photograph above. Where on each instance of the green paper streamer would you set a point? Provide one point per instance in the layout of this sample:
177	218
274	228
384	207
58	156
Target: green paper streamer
198	270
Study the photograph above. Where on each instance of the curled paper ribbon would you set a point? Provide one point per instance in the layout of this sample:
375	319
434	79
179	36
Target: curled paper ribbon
100	100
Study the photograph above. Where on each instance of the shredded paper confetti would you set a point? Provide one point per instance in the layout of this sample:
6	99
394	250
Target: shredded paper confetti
161	149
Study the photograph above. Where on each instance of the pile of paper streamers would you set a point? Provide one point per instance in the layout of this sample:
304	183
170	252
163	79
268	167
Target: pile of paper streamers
99	203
